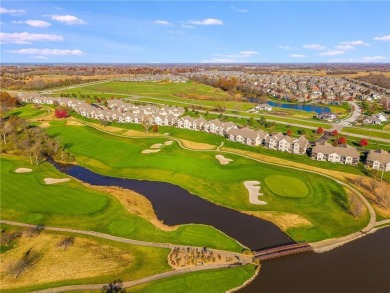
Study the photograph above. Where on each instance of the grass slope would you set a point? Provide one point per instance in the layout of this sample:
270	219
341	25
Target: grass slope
201	173
74	205
216	281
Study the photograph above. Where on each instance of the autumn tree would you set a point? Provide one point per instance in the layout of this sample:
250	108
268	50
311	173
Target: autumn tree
61	112
335	132
289	132
320	130
155	128
342	140
363	142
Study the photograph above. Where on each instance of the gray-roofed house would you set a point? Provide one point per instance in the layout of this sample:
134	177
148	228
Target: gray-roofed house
379	160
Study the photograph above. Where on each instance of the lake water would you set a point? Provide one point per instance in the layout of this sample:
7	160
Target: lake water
307	108
361	266
175	206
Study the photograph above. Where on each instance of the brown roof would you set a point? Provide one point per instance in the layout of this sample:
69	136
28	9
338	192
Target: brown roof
379	155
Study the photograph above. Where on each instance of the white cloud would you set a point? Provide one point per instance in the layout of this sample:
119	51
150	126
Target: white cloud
48	52
12	11
287	48
331	53
355	43
162	22
27	38
383	38
314	47
34	23
187	26
40	57
238	9
297	55
207	21
68	19
344	47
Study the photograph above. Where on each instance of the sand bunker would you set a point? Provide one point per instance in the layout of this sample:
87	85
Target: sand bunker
156	146
168	142
222	160
55	181
23	170
150	151
253	191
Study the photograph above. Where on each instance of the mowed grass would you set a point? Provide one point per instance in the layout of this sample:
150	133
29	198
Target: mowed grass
286	186
74	205
27	112
367	132
216	281
189	90
201	174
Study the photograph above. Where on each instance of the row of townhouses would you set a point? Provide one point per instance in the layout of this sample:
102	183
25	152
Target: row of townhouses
170	116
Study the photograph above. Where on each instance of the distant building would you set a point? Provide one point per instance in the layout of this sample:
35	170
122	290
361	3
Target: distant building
327	116
265	107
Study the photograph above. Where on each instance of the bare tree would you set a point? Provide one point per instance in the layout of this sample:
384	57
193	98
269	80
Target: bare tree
356	206
29	258
66	242
373	185
383	197
7	238
35	231
5	129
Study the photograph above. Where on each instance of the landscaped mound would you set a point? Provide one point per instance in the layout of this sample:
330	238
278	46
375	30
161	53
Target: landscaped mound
286	186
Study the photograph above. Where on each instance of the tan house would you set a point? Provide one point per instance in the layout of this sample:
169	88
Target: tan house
379	160
343	154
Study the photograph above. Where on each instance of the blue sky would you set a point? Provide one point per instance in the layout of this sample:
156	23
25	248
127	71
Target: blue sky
194	31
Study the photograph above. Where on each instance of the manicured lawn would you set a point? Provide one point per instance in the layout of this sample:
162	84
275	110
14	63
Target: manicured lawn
286	186
367	132
201	174
28	111
73	205
214	281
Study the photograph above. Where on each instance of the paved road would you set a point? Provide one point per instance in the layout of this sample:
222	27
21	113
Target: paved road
356	113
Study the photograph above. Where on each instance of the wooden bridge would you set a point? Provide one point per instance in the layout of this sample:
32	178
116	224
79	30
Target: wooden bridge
283	250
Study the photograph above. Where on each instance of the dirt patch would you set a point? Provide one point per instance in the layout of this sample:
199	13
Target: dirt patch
74	123
135	203
283	220
140	133
196	145
156	146
23	170
84	259
168	142
44	124
150	151
55	181
222	160
253	190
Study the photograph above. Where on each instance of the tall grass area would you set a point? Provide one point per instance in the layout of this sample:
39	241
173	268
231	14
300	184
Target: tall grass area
201	174
218	281
74	205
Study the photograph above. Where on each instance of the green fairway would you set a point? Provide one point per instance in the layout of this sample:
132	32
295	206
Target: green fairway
201	174
25	198
286	186
219	280
28	111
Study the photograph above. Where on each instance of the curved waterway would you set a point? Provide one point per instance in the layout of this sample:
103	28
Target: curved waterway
175	206
361	266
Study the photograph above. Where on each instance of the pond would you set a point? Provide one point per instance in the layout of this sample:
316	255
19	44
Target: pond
307	108
175	206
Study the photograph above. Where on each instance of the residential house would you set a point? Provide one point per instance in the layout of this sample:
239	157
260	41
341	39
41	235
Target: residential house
379	160
343	154
265	107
